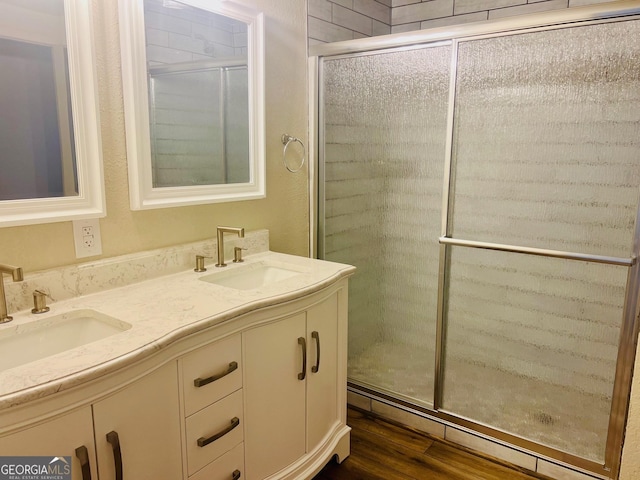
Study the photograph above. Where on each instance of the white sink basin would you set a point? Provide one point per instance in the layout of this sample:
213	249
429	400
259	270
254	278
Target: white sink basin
251	276
54	334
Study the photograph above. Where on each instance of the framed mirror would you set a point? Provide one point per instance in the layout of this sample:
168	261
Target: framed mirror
193	85
51	158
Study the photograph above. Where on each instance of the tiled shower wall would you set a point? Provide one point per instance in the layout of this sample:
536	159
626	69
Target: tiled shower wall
176	35
338	20
410	15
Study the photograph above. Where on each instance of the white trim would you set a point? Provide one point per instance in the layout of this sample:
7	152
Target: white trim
312	154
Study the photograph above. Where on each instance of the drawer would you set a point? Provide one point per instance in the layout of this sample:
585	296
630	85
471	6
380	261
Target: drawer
213	365
215	420
229	466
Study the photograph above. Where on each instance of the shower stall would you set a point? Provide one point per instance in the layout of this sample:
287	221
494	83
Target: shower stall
485	181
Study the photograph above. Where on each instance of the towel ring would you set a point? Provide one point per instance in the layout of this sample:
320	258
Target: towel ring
286	141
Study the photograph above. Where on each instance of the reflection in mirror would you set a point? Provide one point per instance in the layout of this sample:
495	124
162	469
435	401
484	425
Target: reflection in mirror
43	180
195	131
198	95
36	154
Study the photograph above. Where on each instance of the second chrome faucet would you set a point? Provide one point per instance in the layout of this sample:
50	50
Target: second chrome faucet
221	231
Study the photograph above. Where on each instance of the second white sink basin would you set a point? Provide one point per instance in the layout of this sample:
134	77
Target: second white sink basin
251	276
51	335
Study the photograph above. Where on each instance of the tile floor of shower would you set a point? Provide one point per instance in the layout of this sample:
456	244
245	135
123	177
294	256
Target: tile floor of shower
553	415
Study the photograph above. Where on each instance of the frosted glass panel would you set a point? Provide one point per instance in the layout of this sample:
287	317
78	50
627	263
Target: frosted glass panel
532	345
384	146
546	139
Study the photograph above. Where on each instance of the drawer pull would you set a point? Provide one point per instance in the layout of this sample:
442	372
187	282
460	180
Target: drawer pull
203	442
201	382
316	337
83	455
236	475
112	438
303	341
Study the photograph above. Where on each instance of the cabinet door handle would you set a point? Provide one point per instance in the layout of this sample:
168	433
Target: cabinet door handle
201	382
303	341
203	442
112	438
316	337
236	475
83	455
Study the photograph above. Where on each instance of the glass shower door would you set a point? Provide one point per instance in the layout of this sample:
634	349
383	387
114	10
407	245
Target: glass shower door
544	161
384	120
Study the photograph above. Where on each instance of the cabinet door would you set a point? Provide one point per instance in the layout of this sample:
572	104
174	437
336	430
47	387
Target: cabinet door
322	381
274	396
145	417
59	437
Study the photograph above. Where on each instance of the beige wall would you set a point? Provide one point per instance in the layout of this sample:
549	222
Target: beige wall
285	210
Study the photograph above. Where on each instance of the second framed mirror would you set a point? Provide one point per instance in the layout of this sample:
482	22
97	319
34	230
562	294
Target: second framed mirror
193	85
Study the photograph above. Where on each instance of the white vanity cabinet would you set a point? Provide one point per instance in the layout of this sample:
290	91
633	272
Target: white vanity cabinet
260	395
295	388
141	423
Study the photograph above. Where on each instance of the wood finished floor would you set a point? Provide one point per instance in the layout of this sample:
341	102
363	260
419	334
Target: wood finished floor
383	451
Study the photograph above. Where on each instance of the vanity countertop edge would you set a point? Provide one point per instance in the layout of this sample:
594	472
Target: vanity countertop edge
161	311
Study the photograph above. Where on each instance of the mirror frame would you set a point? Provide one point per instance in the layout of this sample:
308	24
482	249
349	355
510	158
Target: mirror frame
90	201
142	194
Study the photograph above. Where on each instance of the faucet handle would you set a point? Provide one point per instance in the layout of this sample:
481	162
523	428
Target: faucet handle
237	254
40	302
200	263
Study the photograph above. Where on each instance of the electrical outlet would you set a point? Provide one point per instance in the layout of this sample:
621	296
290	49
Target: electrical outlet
86	236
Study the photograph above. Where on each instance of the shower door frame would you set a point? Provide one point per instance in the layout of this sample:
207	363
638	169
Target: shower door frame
594	14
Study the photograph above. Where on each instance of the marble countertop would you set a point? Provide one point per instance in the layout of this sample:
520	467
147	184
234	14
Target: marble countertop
161	311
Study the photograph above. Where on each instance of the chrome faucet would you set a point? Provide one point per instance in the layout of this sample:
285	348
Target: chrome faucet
221	231
16	273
